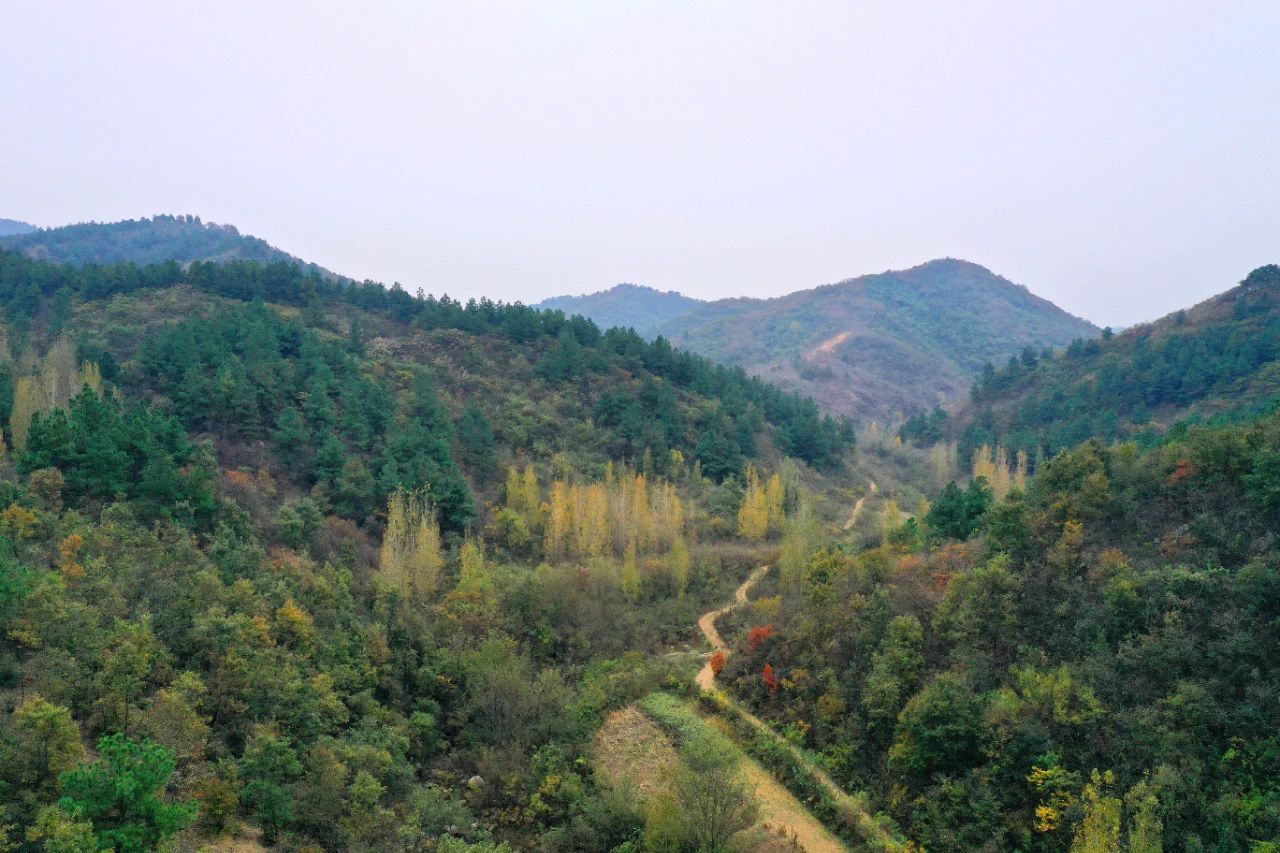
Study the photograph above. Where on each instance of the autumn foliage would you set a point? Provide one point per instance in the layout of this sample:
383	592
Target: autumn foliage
717	663
757	635
770	679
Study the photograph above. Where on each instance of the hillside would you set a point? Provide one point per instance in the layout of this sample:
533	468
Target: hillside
626	306
316	555
13	226
142	241
879	347
1091	659
1217	360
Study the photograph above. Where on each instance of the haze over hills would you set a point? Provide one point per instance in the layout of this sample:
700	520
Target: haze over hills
874	347
144	241
15	226
627	306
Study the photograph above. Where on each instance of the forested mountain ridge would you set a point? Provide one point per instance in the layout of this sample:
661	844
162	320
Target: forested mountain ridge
143	241
626	306
360	569
1219	359
877	347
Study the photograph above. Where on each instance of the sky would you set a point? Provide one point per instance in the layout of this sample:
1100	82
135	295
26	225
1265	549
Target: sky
1120	159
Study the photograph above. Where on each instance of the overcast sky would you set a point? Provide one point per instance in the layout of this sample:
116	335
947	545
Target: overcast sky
1121	159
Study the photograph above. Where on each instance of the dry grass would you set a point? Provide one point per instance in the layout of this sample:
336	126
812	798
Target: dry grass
631	752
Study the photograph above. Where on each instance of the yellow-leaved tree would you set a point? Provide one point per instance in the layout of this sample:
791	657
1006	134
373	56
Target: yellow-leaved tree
412	556
753	516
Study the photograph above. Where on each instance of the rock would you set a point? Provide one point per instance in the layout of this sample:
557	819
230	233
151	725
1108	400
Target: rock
475	783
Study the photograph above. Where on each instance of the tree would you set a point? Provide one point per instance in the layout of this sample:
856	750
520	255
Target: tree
940	729
476	442
717	805
122	795
412	556
46	743
753	516
60	832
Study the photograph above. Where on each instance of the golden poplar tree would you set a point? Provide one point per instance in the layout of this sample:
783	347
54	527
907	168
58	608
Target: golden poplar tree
681	565
753	516
412	556
775	505
473	575
559	520
801	538
630	572
515	493
531	492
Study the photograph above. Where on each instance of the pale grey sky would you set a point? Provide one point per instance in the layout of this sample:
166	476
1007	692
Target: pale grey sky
1121	159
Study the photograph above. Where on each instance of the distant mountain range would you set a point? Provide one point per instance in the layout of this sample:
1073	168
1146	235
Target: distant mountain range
15	226
627	305
141	241
878	347
875	347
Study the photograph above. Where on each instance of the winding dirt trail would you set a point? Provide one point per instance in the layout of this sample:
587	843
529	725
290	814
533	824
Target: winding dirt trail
857	507
707	625
812	835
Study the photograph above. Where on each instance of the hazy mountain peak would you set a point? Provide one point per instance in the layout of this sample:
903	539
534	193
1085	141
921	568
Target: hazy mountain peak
15	226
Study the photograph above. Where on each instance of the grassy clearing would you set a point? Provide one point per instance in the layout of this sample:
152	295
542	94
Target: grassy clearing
780	812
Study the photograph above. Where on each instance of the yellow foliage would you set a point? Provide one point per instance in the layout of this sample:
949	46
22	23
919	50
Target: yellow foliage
753	517
294	622
412	556
775	496
19	522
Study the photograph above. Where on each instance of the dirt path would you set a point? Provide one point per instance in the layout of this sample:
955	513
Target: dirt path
822	839
857	507
779	809
707	625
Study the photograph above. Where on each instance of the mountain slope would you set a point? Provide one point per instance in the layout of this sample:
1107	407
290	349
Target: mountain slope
326	543
143	241
14	226
1219	359
880	346
626	306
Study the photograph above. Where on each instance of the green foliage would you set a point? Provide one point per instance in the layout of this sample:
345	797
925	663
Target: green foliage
104	450
957	514
1218	359
122	795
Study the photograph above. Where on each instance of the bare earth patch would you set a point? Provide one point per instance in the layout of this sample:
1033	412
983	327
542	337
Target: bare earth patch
631	752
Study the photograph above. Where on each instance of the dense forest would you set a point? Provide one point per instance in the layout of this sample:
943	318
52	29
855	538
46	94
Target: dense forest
1215	361
292	562
351	568
1088	663
143	241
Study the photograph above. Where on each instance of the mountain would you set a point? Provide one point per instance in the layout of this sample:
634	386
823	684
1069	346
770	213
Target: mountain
626	306
143	241
880	346
308	542
1219	360
13	226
